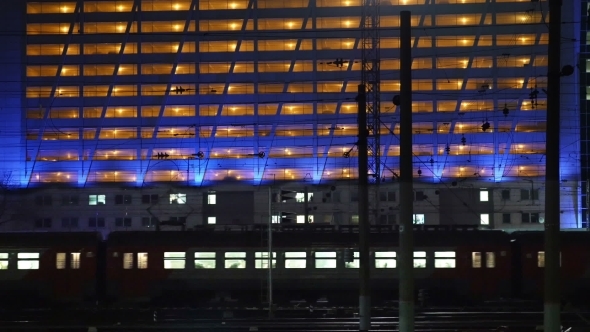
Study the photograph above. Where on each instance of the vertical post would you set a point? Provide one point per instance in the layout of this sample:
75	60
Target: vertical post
364	226
552	310
406	236
269	262
305	206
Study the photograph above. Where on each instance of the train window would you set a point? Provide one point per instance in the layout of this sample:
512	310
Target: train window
444	259
142	260
325	260
128	260
295	260
75	260
204	260
28	261
60	260
490	260
261	260
419	259
385	259
484	195
355	263
541	259
476	260
3	261
235	260
174	260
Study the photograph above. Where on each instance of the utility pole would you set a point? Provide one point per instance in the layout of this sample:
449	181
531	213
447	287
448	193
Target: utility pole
406	230
364	225
552	311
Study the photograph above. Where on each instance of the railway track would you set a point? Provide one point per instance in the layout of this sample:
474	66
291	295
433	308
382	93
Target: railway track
183	319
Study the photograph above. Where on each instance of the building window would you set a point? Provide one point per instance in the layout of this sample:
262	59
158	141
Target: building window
444	259
530	218
295	260
122	222
97	222
419	259
526	194
75	260
3	261
275	219
418	219
387	196
484	195
149	221
354	196
204	260
123	199
325	260
211	198
300	197
149	199
43	200
27	261
69	200
484	219
385	259
174	260
142	260
301	219
177	198
128	260
419	196
506	194
506	218
43	223
261	260
211	220
97	199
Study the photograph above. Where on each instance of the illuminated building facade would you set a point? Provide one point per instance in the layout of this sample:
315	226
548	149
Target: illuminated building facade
114	107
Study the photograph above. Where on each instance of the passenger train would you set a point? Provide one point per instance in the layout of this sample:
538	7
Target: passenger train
452	265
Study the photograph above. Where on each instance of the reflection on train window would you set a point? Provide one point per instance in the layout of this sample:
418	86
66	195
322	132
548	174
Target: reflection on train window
174	260
295	260
490	260
142	260
75	260
420	259
235	260
355	263
476	260
261	260
204	260
385	259
28	261
3	261
444	259
128	260
60	260
325	260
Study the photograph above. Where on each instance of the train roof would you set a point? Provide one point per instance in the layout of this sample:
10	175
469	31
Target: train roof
304	236
44	239
582	236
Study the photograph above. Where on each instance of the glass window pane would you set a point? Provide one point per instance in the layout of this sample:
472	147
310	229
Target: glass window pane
127	261
490	260
174	264
296	254
419	253
443	254
174	255
204	255
235	263
420	263
325	263
381	263
476	260
385	254
28	265
60	260
444	263
204	264
483	196
75	260
28	255
3	255
325	254
295	263
235	255
142	260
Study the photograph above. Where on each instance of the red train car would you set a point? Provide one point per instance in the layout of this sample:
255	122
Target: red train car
308	264
42	269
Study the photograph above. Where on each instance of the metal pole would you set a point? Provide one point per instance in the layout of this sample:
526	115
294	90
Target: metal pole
305	206
364	226
552	203
269	262
406	236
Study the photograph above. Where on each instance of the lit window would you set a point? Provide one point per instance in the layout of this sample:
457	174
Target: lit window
300	197
444	259
211	220
28	261
177	198
275	219
476	260
301	219
484	219
3	261
325	260
385	259
128	261
484	195
261	260
97	199
75	260
211	199
60	260
204	260
541	259
295	260
419	259
418	219
355	263
142	260
235	260
490	260
174	260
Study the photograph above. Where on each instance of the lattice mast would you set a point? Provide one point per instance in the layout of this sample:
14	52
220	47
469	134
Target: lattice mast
370	77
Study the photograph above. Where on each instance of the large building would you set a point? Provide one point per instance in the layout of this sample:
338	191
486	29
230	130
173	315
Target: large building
125	114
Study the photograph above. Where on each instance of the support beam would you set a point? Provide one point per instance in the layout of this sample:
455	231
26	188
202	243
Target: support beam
406	236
